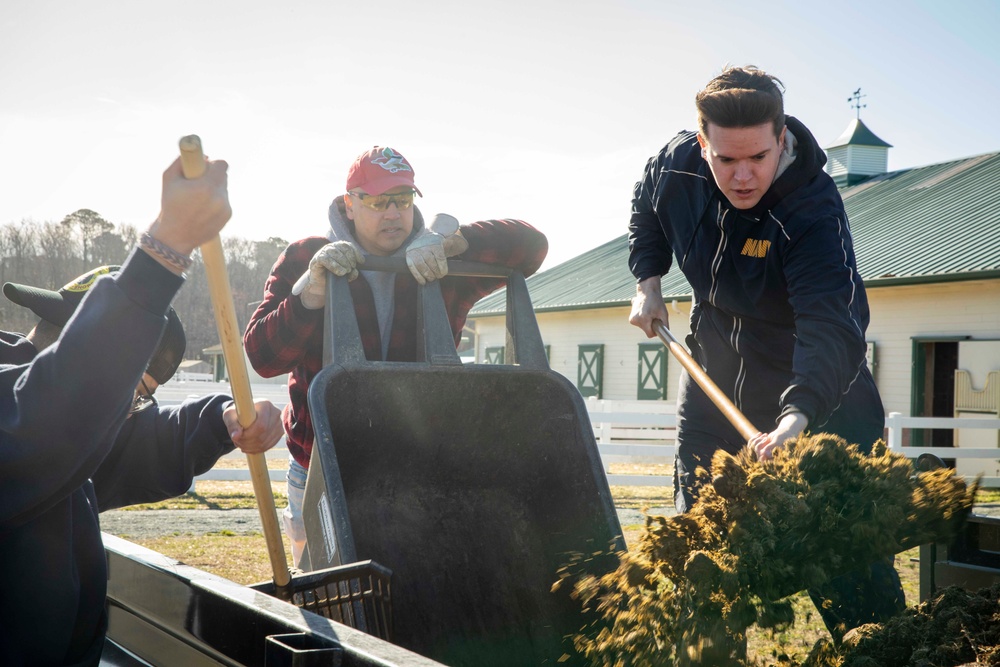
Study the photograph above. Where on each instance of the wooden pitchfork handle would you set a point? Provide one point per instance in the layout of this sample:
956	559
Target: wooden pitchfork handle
193	166
731	412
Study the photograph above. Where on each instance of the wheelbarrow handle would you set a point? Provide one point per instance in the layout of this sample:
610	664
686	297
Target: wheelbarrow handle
456	267
698	374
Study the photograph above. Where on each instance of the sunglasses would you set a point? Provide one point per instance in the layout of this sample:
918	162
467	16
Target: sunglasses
142	401
402	200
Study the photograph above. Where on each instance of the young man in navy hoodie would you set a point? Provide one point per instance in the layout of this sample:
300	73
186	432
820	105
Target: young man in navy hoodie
779	314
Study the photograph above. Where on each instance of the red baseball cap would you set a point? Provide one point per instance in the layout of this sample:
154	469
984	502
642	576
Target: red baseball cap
379	169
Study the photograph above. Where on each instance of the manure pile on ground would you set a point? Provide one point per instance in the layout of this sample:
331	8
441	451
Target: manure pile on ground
954	628
761	531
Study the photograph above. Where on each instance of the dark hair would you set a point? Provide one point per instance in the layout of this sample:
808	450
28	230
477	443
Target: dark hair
741	97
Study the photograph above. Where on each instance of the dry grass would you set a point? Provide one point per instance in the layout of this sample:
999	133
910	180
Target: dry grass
239	558
212	495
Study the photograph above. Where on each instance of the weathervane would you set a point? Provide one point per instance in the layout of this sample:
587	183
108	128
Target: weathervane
855	98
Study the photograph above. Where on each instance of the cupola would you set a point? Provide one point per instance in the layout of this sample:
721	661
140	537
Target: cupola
857	154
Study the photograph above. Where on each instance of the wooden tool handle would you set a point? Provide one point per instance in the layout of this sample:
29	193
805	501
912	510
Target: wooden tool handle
193	166
721	401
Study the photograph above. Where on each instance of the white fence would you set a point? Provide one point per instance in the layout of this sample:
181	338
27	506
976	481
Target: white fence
644	432
896	423
634	432
187	376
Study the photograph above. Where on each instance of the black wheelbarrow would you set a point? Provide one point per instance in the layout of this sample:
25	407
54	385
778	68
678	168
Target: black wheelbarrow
474	484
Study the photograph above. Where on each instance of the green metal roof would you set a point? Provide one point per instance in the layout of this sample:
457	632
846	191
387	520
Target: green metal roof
596	279
858	134
937	223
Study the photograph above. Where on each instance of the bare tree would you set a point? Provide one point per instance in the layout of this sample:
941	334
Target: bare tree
90	225
107	248
56	244
19	244
129	235
47	255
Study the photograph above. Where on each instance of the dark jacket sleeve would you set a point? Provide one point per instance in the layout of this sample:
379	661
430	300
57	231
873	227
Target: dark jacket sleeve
159	451
59	414
830	308
649	250
279	332
667	206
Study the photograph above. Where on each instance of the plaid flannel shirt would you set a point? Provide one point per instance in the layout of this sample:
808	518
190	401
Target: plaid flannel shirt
283	336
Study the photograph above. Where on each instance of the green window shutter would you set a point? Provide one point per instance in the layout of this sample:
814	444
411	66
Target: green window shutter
652	383
548	353
590	370
494	355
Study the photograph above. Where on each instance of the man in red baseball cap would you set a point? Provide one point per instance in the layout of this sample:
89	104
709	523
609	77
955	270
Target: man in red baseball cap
376	216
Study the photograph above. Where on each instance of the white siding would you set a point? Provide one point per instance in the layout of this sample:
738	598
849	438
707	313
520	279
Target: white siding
898	314
901	313
836	161
565	331
867	160
858	160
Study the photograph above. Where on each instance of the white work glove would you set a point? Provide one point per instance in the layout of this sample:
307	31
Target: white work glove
426	259
340	258
426	255
448	227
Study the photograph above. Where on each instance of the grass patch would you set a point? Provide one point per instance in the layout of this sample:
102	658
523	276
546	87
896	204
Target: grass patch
796	641
212	495
239	558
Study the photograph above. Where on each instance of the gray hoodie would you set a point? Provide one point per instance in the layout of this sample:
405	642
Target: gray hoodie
382	283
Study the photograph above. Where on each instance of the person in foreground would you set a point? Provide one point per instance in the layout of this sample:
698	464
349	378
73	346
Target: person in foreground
375	217
159	449
61	410
779	314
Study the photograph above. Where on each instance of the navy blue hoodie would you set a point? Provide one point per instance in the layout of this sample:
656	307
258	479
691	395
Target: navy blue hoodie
780	312
61	425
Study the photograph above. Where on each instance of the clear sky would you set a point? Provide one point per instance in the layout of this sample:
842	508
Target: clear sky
544	110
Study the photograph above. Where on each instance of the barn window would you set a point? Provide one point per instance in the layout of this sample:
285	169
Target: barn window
590	370
652	380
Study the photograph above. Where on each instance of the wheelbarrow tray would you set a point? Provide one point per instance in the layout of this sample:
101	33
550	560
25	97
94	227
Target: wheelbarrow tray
474	484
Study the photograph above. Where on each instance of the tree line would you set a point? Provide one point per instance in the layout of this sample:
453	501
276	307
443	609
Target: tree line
52	254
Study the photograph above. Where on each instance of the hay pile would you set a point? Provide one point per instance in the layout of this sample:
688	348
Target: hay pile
761	531
955	627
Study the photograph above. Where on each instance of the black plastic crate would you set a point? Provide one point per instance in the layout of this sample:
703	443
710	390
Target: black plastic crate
356	594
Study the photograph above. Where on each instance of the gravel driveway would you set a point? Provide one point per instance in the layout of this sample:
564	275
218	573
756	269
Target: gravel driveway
145	524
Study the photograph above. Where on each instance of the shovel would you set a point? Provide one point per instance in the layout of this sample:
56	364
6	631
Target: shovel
721	401
356	594
193	166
